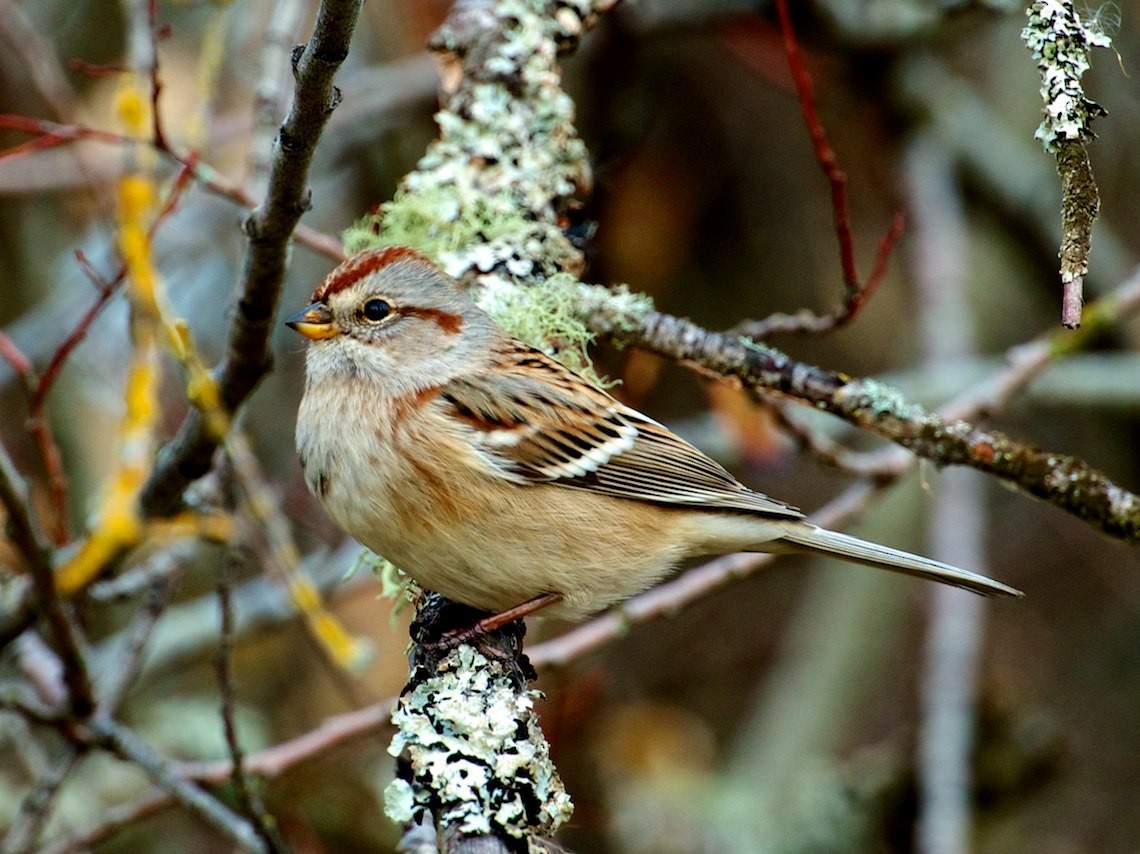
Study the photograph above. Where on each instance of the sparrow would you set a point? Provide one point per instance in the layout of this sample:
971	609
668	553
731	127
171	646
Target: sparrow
499	478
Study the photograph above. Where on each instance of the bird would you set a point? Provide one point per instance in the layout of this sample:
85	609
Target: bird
499	478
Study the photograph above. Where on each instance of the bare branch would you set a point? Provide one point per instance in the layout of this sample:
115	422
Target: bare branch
25	535
122	742
187	456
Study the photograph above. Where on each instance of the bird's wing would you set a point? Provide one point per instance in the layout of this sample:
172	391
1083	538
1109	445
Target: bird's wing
537	421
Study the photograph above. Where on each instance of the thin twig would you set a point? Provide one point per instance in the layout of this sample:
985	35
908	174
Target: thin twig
127	666
37	555
39	427
857	293
24	833
122	742
248	801
50	134
274	761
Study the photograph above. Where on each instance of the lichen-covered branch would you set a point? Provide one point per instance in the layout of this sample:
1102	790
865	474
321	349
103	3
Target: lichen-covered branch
269	228
487	197
1062	480
1060	42
488	201
1080	201
472	755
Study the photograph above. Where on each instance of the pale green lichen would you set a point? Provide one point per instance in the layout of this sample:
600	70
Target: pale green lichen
766	350
489	189
880	398
1060	42
545	315
623	309
476	754
484	200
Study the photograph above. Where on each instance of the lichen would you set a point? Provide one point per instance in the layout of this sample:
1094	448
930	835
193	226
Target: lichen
1060	42
543	314
880	398
476	754
762	349
492	186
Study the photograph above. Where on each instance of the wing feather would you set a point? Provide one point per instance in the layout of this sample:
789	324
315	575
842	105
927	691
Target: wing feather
539	422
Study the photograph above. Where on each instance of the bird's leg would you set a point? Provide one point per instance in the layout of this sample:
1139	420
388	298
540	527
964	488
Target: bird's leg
484	626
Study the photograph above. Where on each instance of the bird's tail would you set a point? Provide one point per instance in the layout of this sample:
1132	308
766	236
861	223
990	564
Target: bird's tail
807	537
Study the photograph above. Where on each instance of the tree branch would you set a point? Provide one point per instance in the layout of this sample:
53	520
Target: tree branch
1064	481
269	228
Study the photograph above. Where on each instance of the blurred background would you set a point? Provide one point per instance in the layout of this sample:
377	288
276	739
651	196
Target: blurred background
783	713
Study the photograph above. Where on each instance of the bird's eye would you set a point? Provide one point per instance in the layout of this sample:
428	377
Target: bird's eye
376	310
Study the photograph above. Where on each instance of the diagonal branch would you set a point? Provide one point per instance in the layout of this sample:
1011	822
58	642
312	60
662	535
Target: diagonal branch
1062	480
269	228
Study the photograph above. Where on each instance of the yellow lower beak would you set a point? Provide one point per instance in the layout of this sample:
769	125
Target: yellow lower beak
314	322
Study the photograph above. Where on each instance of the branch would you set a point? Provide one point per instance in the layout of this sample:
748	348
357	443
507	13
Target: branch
27	539
1065	481
471	753
122	742
857	292
271	762
187	456
1061	42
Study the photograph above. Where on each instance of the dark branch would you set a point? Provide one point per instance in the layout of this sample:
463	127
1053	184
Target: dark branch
1065	481
269	228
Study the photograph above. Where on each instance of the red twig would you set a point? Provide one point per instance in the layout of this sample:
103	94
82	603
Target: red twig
94	69
824	153
859	297
156	33
51	134
107	289
15	357
39	428
857	293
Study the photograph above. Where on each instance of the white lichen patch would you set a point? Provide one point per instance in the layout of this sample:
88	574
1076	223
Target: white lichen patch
1121	502
476	754
762	349
490	189
1060	42
880	398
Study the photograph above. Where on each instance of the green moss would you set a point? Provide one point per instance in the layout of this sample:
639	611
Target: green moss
545	315
435	221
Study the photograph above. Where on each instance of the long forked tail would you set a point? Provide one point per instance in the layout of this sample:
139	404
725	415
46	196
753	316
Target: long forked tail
810	538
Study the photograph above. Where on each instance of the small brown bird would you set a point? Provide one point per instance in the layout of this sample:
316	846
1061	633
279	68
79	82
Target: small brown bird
499	478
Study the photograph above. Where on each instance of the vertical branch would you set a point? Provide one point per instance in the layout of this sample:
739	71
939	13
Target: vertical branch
249	802
957	517
1061	42
472	755
1080	202
27	539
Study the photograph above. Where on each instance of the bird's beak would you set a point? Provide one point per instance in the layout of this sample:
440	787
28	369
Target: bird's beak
314	322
